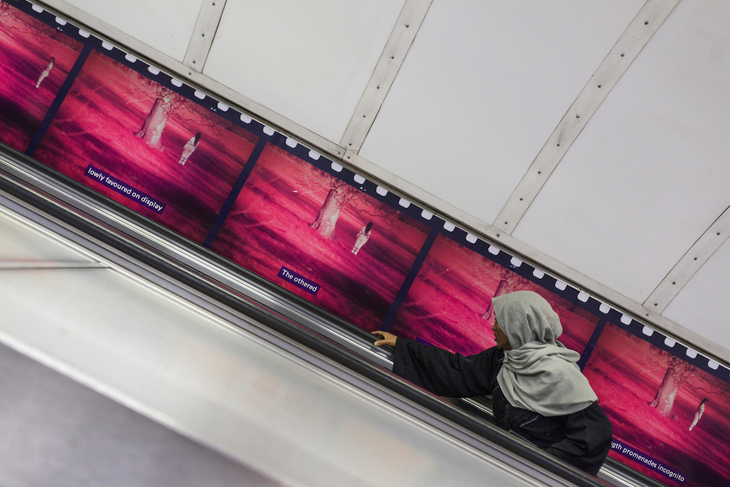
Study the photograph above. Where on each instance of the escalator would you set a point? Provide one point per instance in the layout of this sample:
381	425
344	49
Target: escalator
175	332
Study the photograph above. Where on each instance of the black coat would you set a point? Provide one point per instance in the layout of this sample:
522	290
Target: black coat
582	439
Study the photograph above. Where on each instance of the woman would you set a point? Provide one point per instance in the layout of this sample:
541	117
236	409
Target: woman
362	236
537	388
189	148
46	72
698	414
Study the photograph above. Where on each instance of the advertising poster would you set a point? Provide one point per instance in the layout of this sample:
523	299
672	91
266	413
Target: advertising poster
670	419
320	238
450	302
35	60
146	147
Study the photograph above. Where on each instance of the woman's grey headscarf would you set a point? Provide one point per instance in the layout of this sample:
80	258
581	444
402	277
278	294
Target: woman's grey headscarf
539	373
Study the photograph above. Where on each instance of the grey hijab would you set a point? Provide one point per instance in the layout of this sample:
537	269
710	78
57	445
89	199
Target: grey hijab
539	373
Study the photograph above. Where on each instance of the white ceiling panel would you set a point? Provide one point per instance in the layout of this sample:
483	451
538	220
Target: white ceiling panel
20	243
703	304
165	25
308	61
483	87
648	174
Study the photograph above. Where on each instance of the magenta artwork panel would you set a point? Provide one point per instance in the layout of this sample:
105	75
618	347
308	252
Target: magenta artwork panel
320	238
670	419
124	134
449	303
35	60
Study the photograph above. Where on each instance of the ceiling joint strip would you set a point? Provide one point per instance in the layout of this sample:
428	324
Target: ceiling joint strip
396	48
627	48
204	32
690	263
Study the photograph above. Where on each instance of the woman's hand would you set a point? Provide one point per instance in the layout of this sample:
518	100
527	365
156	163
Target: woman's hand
385	338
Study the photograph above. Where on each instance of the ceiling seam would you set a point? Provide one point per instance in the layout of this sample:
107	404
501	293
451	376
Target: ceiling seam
201	40
641	29
386	69
690	263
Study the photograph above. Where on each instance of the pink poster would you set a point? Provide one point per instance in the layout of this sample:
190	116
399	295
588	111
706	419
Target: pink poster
320	238
35	60
449	304
146	147
670	419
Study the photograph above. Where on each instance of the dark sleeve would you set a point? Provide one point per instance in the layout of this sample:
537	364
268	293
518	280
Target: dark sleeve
445	373
587	439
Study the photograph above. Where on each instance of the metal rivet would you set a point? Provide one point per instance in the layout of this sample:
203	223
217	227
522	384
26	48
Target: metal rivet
338	152
378	87
392	57
520	199
655	304
363	116
599	86
193	61
203	34
674	282
577	116
189	73
622	54
539	172
558	145
498	235
505	223
646	23
350	143
407	25
718	233
695	258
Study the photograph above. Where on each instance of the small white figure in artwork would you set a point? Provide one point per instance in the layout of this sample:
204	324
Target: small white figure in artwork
189	148
45	72
698	413
362	236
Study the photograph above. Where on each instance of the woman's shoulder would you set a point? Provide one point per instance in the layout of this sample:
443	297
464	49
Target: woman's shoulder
494	353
